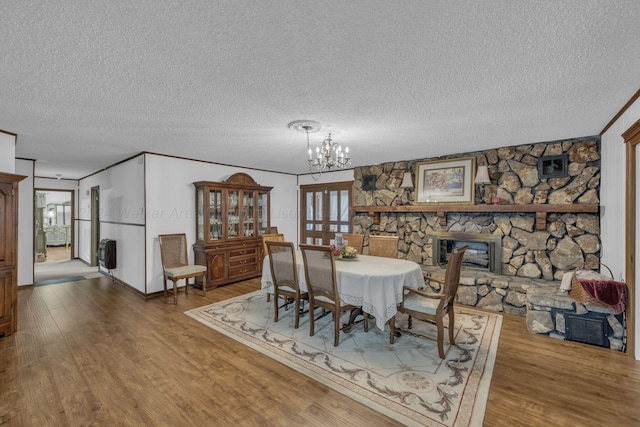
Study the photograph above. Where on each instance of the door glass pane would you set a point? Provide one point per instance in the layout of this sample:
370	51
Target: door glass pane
333	228
344	228
318	227
344	206
309	206
247	214
215	215
309	241
319	241
333	206
233	215
318	210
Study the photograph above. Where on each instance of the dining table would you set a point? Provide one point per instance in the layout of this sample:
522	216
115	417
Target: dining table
371	282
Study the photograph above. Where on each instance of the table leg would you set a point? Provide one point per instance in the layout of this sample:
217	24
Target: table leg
355	312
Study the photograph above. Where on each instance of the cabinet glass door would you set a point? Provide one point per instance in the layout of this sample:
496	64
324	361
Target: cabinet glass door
248	209
263	209
200	214
233	215
215	215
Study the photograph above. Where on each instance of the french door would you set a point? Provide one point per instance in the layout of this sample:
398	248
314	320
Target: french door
325	209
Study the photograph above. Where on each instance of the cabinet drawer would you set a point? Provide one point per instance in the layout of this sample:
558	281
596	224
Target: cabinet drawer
243	270
243	251
242	262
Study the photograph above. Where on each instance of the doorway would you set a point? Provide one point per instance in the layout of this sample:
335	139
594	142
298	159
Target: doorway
53	225
325	209
54	231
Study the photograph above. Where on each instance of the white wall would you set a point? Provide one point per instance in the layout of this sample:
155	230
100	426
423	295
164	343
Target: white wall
25	222
612	196
7	152
170	203
121	217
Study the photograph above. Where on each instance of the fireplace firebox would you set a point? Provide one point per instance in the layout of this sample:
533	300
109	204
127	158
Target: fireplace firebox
484	252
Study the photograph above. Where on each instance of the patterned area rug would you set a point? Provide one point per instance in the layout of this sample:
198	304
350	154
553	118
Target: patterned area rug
406	381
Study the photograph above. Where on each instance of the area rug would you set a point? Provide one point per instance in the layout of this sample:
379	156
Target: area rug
406	381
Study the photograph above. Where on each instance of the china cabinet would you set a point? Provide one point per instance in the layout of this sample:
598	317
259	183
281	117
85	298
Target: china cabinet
9	252
231	216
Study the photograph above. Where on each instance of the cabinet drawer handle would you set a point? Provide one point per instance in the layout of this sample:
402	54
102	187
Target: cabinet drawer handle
243	252
244	261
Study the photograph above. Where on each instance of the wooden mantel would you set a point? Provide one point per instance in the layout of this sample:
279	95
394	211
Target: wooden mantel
441	209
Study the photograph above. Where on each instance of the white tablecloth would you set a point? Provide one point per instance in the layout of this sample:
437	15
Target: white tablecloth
375	283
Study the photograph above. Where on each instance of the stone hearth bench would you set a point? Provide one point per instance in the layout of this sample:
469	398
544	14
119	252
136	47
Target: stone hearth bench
541	302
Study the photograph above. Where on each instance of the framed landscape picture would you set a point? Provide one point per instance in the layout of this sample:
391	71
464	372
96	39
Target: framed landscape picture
446	181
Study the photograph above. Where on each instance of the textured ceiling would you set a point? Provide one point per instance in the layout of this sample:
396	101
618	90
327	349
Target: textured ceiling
86	84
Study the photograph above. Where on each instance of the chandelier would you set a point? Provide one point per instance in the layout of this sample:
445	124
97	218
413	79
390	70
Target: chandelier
326	156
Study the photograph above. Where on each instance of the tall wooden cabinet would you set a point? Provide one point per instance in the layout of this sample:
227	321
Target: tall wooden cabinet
9	252
230	218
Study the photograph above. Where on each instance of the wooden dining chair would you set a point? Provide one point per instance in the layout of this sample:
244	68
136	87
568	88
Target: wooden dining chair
384	246
320	276
355	240
433	307
284	274
175	264
266	238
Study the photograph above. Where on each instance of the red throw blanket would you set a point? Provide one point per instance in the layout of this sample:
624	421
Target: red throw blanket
607	292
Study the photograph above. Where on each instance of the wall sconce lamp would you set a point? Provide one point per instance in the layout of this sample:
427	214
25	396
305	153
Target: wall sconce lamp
407	184
482	178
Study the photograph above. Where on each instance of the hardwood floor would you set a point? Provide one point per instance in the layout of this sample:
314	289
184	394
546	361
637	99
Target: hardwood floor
55	253
94	353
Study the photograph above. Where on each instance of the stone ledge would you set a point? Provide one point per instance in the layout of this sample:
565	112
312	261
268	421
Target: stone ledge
506	294
541	302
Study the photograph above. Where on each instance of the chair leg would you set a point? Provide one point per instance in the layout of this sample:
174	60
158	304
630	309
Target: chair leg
312	324
440	337
297	313
452	340
175	291
164	283
186	285
392	330
336	328
275	307
366	321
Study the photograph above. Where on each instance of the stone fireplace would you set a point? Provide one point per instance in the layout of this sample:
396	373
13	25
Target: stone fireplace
548	226
484	250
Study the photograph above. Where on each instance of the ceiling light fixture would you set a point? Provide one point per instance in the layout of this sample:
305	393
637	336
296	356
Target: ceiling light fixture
328	155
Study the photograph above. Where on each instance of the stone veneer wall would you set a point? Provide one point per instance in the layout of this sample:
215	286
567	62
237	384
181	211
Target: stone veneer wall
570	240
